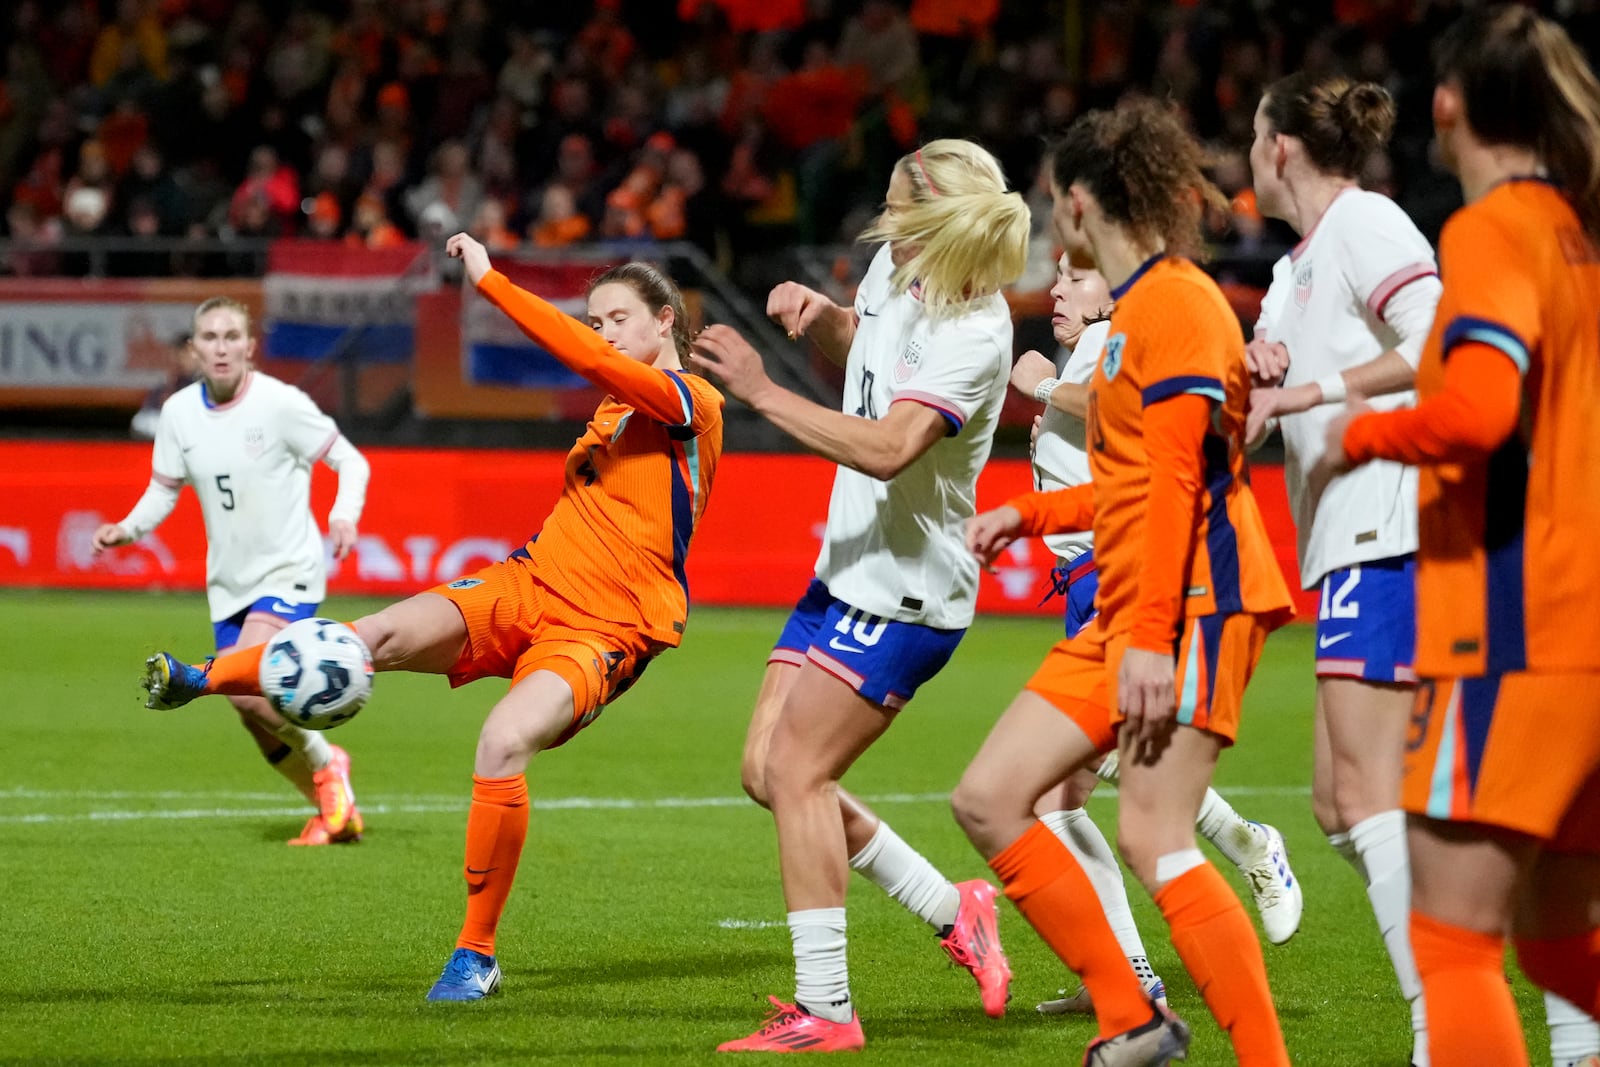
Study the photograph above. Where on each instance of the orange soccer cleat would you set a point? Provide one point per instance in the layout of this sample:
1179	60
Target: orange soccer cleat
336	800
316	831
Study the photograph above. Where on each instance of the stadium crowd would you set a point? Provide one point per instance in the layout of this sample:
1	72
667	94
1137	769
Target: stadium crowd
737	125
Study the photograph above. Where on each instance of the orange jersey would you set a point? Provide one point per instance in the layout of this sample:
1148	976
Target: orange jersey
1508	577
1177	532
636	482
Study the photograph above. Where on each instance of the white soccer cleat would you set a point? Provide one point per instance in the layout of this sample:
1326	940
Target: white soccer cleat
1078	1002
1275	888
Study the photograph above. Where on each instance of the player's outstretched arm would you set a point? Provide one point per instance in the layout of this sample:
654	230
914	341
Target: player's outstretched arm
649	389
879	448
159	498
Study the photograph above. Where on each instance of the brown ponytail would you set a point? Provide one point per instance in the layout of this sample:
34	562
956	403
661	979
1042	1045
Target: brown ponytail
1340	122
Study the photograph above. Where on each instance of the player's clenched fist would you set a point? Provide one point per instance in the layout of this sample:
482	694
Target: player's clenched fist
471	253
795	307
109	535
989	534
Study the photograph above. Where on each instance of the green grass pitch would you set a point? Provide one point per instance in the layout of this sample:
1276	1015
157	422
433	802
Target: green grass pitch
151	914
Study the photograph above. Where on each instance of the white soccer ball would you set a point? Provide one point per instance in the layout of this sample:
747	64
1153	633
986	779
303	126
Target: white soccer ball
316	673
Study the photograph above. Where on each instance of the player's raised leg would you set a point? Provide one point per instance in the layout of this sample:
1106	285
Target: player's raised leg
411	635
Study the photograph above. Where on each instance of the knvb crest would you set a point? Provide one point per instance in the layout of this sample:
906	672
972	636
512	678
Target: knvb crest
1302	282
909	361
255	442
1111	359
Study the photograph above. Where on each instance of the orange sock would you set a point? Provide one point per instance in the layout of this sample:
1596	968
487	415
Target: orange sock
1567	966
237	673
1051	891
1218	946
497	825
1472	1018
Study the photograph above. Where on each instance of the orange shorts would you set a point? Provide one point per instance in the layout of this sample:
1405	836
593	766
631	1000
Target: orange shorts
516	625
1519	751
1216	656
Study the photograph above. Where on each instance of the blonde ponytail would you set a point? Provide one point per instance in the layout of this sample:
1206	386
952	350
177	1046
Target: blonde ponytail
971	235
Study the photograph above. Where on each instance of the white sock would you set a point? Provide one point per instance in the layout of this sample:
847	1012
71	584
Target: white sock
1380	841
903	873
1093	852
292	765
821	976
1236	838
309	743
1573	1035
1345	847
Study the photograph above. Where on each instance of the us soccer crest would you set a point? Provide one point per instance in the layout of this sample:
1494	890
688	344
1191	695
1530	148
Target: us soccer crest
909	361
1111	360
1302	282
255	442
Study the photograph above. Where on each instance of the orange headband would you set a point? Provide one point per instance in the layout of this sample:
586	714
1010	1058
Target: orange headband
934	189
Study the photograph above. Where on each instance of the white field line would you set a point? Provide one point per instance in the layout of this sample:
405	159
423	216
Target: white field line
433	804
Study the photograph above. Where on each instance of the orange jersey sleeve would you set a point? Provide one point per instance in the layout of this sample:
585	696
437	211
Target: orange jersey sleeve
1507	575
1474	414
1174	433
1056	510
661	394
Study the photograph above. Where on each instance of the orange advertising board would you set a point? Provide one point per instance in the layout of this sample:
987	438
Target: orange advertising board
434	514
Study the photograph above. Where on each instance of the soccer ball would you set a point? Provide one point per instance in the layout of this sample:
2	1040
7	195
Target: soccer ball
316	673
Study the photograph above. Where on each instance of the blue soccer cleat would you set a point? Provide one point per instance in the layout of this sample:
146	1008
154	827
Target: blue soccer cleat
171	682
468	975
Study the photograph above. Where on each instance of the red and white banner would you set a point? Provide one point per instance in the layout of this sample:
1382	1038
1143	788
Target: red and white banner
433	514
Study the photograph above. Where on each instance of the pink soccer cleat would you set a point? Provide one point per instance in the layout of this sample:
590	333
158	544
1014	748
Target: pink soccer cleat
788	1029
974	943
336	801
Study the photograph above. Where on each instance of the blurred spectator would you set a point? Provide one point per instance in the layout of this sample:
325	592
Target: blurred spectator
180	373
122	133
269	186
25	224
525	73
495	154
881	41
323	216
141	221
449	198
489	226
463	87
137	27
370	226
816	133
148	180
750	16
605	43
559	222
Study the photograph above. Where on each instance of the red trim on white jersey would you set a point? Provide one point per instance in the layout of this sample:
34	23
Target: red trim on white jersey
1396	282
937	403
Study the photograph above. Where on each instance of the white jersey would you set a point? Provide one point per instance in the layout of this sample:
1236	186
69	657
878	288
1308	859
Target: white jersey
897	549
1326	306
249	461
1060	456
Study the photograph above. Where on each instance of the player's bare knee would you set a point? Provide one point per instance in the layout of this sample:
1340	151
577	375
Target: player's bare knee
754	780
